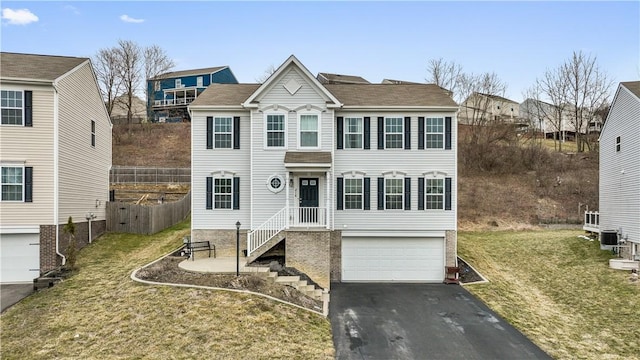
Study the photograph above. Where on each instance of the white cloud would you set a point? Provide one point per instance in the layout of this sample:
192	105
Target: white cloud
18	16
72	9
127	18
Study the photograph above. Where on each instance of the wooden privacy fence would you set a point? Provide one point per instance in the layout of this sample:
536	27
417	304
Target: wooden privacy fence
142	219
149	175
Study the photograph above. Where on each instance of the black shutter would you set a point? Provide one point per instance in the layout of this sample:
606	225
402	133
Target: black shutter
447	193
28	108
209	132
209	193
339	193
407	193
367	133
447	134
367	193
407	133
236	193
380	193
236	132
420	193
380	133
421	133
340	133
28	184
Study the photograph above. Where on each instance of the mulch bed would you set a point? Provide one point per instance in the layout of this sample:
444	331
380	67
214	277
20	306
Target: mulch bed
167	271
467	274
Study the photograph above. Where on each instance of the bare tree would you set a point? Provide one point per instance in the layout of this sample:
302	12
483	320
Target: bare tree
266	74
447	75
156	63
107	66
552	88
131	60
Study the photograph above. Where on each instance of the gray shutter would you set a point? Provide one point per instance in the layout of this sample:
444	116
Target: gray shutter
209	132
28	108
380	133
340	193
367	194
380	193
209	193
367	133
407	193
421	133
340	133
447	133
236	193
407	133
28	184
236	132
447	193
420	193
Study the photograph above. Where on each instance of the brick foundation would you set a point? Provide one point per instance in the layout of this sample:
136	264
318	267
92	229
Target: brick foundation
335	256
49	260
224	240
309	252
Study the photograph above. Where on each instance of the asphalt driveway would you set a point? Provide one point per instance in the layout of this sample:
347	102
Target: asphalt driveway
420	321
12	293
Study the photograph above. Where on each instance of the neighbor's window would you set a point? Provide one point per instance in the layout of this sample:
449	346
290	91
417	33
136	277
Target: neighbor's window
275	130
393	193
199	81
223	132
393	133
93	133
156	85
12	183
353	133
434	133
178	83
434	193
353	194
618	143
308	130
12	107
222	193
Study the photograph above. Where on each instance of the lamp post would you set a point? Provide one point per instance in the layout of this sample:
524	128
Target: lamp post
237	248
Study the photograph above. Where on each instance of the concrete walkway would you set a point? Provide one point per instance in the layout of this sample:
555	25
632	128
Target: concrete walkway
220	265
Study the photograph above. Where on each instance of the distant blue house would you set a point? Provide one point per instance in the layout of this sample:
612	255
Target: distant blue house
171	93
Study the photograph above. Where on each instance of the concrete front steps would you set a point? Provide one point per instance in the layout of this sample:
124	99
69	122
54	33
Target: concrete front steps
293	281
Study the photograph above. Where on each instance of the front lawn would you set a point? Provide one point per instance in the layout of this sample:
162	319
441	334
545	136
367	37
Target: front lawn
557	289
100	313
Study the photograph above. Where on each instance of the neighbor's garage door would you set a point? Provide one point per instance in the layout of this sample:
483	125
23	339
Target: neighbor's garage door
20	256
392	259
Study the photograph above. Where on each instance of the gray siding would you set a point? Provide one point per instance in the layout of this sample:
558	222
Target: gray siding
620	171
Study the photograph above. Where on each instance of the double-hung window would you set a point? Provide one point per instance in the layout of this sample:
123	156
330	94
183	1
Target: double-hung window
309	131
223	132
353	193
275	131
12	107
393	132
222	193
353	133
12	183
434	194
434	133
393	193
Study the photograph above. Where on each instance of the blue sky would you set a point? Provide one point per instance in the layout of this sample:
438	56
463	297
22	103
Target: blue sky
376	40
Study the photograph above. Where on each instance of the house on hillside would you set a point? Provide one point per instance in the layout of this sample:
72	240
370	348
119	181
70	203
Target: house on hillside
55	155
620	170
171	93
479	108
358	181
327	78
547	119
120	110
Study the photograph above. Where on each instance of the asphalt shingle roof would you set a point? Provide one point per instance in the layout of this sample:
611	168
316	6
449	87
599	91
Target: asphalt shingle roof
225	94
391	95
328	78
307	157
36	67
180	73
633	86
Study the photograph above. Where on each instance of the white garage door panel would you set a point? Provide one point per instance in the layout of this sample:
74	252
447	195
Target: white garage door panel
20	257
393	259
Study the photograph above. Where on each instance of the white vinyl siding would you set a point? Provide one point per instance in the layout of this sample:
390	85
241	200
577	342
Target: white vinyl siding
12	107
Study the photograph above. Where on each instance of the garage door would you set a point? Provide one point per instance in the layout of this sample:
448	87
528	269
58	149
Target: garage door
393	259
20	256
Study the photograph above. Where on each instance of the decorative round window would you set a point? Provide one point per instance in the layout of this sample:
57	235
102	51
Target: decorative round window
275	183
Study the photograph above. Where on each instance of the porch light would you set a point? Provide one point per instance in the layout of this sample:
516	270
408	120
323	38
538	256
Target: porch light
290	182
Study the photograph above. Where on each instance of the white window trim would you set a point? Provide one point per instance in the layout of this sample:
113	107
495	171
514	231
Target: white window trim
156	85
1	183
178	83
401	132
434	176
200	81
282	183
23	106
213	192
352	176
394	175
427	133
286	137
319	129
345	133
222	133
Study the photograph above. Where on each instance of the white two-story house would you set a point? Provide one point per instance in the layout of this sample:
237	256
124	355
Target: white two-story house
357	180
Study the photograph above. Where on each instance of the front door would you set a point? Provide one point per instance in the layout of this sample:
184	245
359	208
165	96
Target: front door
309	200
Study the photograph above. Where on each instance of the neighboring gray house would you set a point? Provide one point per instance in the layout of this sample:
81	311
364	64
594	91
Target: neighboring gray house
327	78
358	180
55	156
620	168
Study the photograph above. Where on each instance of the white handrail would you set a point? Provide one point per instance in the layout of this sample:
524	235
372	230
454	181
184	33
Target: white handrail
266	231
308	217
592	219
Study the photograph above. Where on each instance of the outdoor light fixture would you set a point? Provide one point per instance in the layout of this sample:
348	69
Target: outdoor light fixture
237	248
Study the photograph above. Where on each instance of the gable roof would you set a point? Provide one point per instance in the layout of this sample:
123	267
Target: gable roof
421	95
328	78
225	95
36	67
496	97
633	86
391	81
180	73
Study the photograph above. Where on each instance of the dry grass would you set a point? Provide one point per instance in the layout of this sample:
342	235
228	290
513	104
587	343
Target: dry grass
99	313
161	145
558	290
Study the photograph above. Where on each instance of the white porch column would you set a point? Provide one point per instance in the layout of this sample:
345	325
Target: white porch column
286	186
328	206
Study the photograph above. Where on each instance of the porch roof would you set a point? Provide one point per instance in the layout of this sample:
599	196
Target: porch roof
307	158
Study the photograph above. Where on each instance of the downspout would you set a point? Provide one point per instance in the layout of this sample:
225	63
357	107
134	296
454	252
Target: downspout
56	181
